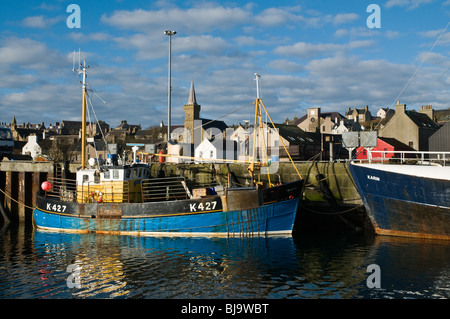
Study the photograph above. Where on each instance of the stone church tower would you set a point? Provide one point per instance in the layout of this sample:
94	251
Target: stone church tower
191	112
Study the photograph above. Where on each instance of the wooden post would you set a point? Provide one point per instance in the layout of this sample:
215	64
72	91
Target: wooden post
21	196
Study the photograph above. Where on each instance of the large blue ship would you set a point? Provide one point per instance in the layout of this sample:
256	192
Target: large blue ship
405	200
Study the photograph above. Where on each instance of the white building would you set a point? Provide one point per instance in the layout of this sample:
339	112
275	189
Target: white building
32	147
215	149
384	111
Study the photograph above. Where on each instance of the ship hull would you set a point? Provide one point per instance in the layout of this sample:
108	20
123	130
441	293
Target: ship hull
192	217
407	201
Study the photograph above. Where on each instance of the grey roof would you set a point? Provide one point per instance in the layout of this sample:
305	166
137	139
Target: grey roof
421	119
295	135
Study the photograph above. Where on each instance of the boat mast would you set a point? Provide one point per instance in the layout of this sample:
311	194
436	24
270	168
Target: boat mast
258	110
258	131
82	70
83	125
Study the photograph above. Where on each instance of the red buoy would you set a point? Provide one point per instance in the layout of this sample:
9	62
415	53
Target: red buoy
161	158
46	186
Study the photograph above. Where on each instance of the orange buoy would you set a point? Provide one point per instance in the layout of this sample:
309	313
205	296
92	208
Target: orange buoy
161	158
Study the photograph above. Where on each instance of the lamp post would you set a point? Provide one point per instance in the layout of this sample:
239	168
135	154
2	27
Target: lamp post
170	34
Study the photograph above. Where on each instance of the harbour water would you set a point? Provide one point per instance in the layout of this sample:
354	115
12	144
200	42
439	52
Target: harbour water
44	265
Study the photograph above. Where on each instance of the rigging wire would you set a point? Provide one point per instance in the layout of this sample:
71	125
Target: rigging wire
97	121
211	121
432	84
415	72
421	63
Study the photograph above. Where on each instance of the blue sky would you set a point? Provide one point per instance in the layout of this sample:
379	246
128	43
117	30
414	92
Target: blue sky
308	53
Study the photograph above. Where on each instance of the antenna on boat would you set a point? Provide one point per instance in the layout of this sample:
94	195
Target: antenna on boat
82	68
257	77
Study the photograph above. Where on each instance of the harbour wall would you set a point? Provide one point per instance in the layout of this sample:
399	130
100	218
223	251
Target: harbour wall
330	199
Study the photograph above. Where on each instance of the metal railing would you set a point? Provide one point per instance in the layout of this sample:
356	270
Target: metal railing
67	190
408	157
157	189
167	188
63	189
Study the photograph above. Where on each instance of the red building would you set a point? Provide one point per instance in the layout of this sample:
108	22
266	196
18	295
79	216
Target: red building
384	144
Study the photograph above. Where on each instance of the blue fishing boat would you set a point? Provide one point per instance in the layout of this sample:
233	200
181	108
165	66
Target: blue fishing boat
240	212
121	198
406	200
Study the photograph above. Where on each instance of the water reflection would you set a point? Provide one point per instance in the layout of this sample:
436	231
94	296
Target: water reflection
147	267
34	265
150	267
411	267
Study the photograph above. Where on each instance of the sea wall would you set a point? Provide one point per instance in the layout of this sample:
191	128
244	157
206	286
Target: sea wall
318	177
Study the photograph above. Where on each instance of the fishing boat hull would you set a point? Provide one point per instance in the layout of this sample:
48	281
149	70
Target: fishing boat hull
405	200
208	216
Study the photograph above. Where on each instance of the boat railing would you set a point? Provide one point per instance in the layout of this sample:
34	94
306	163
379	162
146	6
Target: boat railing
155	189
62	189
166	188
67	190
409	157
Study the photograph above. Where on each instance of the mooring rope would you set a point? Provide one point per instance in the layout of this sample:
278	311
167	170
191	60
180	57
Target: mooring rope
15	200
336	213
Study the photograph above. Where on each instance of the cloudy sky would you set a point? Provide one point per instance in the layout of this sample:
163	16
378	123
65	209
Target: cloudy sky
308	53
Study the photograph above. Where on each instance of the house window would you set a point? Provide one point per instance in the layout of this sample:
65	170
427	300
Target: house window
411	144
115	174
211	154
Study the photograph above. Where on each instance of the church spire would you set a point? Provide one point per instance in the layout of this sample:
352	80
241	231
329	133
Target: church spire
192	100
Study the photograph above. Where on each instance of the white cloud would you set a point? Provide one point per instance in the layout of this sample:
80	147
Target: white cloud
285	66
25	52
435	34
410	4
305	50
197	19
355	32
277	16
342	18
40	22
96	36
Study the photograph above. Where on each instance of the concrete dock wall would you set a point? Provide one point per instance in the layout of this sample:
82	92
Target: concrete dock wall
19	182
335	175
329	187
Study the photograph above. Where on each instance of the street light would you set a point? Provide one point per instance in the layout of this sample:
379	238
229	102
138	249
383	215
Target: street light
170	34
